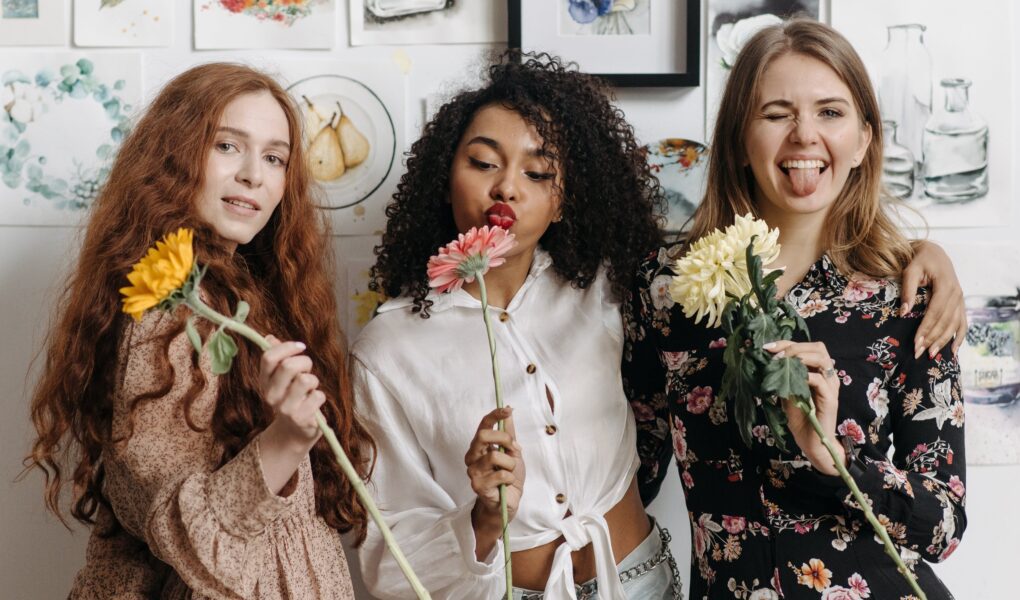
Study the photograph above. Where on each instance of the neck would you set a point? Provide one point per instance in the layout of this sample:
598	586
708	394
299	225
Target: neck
502	283
800	238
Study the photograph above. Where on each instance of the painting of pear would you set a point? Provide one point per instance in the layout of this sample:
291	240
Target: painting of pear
313	118
354	144
325	156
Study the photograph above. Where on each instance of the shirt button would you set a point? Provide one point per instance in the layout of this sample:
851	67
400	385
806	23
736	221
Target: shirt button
550	429
504	316
531	368
561	498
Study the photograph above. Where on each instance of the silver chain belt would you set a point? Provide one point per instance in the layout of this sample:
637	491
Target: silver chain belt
587	590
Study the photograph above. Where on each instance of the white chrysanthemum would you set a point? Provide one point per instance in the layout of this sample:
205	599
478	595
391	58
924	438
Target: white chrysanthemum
715	268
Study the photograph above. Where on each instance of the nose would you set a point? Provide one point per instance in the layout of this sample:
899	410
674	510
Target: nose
504	189
804	132
249	172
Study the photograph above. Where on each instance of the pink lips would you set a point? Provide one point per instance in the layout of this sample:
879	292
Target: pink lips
501	215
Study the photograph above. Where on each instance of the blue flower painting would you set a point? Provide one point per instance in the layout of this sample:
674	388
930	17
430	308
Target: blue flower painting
20	9
605	17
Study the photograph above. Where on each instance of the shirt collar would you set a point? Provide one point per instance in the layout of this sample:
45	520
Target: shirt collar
441	302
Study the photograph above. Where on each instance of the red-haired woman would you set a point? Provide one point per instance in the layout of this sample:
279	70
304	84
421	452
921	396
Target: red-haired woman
196	485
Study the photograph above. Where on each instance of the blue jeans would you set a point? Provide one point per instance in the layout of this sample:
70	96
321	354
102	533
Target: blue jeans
656	584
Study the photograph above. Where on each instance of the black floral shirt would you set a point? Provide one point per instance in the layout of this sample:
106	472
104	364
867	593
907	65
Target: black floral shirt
766	524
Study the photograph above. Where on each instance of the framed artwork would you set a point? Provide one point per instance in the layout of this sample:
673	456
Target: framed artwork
382	22
632	43
681	166
354	132
948	104
135	23
48	177
731	23
32	23
296	24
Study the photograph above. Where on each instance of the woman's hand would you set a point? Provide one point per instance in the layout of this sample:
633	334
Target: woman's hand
945	316
289	387
487	468
824	385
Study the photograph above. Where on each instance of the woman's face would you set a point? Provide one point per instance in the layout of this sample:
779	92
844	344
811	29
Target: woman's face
246	168
499	163
804	137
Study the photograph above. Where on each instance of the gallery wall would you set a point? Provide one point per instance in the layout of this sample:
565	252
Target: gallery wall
38	556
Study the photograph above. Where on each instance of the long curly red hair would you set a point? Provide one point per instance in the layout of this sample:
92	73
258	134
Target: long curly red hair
283	273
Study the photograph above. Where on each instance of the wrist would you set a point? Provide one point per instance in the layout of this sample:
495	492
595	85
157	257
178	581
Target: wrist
824	462
488	526
276	438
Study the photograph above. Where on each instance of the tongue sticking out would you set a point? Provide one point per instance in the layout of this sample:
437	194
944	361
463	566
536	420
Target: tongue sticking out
805	181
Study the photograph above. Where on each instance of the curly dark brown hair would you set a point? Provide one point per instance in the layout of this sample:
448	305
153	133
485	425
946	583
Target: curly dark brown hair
610	199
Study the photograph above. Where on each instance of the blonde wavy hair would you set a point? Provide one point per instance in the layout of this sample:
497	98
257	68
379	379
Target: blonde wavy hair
860	236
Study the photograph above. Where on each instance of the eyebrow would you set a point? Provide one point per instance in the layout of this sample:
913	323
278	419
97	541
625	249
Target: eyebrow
244	134
788	104
491	143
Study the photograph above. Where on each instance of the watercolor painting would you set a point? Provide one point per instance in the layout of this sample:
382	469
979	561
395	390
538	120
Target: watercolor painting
948	110
353	134
46	176
605	17
32	23
295	24
681	167
382	22
122	23
361	302
731	23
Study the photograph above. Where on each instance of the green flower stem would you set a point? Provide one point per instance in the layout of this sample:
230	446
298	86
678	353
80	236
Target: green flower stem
200	308
890	548
502	427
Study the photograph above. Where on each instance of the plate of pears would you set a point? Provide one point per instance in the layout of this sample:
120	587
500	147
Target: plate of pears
349	137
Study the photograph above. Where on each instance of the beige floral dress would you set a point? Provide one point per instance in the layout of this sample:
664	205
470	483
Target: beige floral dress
190	529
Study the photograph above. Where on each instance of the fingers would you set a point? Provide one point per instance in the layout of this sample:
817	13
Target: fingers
487	438
961	330
814	355
913	277
942	320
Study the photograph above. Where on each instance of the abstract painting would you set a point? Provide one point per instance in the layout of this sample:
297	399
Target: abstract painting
295	24
731	23
948	108
605	17
109	23
48	177
354	127
32	23
380	22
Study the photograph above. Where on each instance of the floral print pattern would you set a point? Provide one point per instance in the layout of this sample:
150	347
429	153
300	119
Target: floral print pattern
766	524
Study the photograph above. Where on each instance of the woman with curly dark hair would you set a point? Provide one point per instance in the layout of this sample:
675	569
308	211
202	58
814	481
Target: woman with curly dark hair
541	150
196	485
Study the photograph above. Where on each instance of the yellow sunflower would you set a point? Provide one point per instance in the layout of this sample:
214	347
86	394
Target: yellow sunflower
164	270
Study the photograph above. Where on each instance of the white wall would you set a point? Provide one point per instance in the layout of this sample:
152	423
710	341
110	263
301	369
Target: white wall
38	557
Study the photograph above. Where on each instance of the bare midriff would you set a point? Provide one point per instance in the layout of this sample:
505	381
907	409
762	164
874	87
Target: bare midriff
628	527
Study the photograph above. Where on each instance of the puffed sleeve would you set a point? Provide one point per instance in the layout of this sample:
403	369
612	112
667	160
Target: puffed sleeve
644	381
434	532
920	494
206	523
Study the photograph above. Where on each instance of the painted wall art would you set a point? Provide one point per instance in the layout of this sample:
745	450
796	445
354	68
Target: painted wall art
380	22
946	97
605	17
681	167
731	23
32	23
295	24
354	127
110	23
990	375
48	177
636	43
360	302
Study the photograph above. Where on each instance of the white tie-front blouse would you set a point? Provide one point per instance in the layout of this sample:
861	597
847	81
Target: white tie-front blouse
422	387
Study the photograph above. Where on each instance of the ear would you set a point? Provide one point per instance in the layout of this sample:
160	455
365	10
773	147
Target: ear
864	144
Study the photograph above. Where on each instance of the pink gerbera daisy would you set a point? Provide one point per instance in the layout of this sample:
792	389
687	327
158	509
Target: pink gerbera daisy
471	254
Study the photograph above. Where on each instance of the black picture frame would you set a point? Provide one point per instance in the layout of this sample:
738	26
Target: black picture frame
690	78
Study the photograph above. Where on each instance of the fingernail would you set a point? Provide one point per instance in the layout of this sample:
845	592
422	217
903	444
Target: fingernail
918	352
769	345
300	345
932	353
778	355
904	309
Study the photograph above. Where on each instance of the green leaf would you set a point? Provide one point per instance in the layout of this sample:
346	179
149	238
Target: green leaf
242	311
106	3
786	378
196	340
762	329
222	351
776	418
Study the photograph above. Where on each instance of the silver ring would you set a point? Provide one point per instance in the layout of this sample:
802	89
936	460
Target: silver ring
830	372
